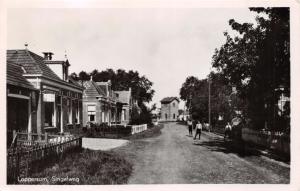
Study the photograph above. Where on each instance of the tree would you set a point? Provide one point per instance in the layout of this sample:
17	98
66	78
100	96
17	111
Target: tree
74	76
121	80
194	92
257	62
83	76
141	88
188	89
223	104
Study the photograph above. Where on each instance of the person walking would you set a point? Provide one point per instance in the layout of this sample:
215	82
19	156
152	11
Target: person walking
190	127
198	130
228	129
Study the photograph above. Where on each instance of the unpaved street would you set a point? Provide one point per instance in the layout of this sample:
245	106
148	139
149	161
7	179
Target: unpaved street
173	157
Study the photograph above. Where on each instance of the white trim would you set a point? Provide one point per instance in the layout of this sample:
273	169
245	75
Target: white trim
32	75
18	96
50	88
53	83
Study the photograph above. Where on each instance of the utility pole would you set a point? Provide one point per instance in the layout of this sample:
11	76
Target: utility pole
209	109
189	107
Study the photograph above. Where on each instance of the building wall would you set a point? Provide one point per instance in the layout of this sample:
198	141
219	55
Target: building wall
57	69
168	111
85	104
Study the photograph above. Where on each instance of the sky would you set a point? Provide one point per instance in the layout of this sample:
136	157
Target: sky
165	44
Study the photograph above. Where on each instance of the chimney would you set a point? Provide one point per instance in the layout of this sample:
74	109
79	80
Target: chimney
48	55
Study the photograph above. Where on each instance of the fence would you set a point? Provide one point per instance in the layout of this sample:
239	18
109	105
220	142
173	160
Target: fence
138	128
113	131
276	141
20	160
34	139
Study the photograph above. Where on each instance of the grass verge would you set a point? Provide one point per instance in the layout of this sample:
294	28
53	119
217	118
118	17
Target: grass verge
87	167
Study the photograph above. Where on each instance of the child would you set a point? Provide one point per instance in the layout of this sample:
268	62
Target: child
198	130
190	126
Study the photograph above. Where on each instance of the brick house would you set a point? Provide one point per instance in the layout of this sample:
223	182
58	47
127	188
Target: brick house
169	109
99	103
54	102
103	105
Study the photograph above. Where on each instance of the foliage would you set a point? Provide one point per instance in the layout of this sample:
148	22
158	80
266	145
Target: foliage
195	92
257	63
121	80
142	115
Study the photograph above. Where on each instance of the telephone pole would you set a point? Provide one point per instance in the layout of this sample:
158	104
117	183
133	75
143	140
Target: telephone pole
209	107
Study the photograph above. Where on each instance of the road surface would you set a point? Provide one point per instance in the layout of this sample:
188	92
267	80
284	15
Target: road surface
174	158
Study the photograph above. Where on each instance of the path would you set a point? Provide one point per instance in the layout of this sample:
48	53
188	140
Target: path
173	157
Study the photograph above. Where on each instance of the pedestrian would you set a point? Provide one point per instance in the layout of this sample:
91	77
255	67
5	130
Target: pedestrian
198	130
190	127
228	129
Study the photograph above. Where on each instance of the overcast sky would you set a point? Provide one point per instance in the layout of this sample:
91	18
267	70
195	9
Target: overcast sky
165	45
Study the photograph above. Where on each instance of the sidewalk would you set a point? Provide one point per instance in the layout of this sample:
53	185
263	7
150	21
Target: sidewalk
102	144
251	148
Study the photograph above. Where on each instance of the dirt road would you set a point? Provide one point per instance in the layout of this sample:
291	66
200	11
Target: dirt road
173	157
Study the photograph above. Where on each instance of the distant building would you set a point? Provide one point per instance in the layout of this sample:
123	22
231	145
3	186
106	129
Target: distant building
169	109
38	99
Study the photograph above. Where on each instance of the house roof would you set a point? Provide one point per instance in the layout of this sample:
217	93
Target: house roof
124	96
102	86
72	81
14	76
168	100
34	64
92	89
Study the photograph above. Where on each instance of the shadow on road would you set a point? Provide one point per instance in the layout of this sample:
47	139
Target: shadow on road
219	145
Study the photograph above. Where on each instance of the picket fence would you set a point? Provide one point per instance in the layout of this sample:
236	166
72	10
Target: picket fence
138	128
21	158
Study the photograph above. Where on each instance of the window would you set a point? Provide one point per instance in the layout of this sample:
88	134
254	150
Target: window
91	113
69	105
174	104
166	116
76	103
174	115
49	103
123	115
